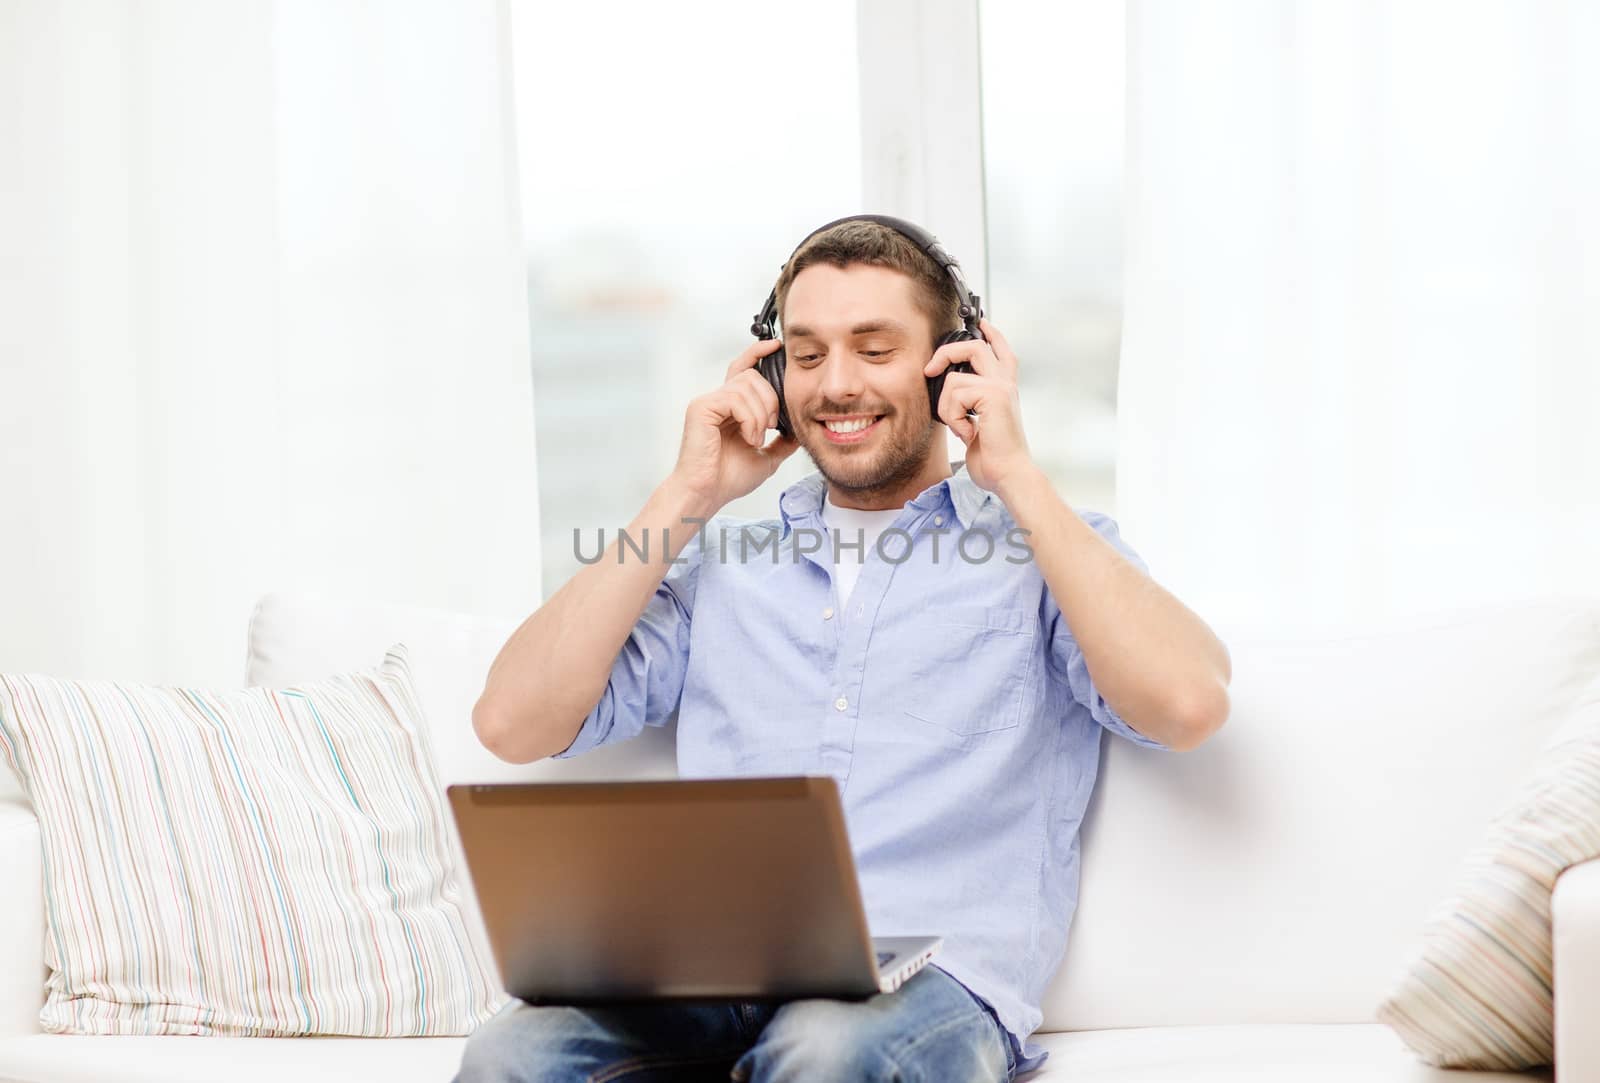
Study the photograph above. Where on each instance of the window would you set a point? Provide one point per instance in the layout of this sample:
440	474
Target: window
1053	85
667	171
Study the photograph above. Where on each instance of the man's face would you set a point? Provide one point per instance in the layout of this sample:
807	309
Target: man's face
857	396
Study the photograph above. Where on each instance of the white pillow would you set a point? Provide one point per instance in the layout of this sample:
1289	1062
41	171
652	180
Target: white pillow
1476	990
256	862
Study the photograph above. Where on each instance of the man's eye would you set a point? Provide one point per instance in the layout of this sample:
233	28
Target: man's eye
807	358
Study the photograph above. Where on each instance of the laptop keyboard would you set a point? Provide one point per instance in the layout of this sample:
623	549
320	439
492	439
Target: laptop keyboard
884	957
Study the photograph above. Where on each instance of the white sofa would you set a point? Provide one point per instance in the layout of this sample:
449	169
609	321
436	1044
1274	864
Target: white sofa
1243	908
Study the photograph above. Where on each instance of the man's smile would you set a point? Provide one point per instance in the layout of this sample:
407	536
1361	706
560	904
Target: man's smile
849	428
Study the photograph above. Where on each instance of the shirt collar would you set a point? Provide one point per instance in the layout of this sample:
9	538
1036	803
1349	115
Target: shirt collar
959	492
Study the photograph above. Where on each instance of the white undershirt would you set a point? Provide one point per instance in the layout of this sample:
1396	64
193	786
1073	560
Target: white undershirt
851	524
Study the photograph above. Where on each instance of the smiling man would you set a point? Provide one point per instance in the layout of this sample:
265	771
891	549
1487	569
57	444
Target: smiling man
955	685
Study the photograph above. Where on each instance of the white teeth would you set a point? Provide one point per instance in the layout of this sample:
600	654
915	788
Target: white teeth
848	426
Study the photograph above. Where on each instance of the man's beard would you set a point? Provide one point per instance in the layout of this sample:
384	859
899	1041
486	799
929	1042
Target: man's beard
901	457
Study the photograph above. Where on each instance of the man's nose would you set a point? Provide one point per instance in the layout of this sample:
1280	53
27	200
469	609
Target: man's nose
841	377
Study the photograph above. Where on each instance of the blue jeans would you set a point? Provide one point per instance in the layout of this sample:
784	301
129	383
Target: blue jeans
931	1028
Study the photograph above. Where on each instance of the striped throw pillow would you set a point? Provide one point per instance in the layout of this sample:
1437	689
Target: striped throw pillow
257	862
1476	990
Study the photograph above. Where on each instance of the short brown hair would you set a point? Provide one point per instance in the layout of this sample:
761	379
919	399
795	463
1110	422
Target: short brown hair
932	289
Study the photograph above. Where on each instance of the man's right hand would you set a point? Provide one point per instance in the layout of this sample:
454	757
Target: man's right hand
723	455
556	666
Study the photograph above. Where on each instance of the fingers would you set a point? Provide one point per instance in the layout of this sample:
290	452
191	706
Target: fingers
746	398
759	408
728	405
991	354
779	449
752	421
997	342
965	428
765	396
959	396
751	355
974	351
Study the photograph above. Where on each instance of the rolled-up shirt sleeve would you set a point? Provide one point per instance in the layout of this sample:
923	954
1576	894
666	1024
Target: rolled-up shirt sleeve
1066	658
646	682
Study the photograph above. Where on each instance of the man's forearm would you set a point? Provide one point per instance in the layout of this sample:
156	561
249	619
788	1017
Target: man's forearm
554	668
1154	660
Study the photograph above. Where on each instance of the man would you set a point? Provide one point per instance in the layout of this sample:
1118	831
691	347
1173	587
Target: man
954	682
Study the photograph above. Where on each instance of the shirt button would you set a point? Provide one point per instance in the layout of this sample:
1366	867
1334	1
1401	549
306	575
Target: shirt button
841	703
827	613
938	520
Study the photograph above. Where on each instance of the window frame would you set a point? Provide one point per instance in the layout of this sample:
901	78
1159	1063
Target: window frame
922	123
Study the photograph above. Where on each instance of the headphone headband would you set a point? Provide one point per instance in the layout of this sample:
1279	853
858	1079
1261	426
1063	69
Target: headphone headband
766	321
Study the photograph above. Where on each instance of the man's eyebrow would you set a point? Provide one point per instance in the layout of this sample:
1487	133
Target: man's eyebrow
865	328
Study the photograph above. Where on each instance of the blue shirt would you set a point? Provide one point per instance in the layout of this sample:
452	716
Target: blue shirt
949	700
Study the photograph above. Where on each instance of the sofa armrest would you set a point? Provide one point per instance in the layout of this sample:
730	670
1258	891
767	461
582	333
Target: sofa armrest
22	972
1575	914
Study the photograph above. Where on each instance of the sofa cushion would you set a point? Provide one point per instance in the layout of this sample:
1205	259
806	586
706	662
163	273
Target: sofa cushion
1246	1053
298	635
22	975
1477	991
245	862
1367	1053
61	1058
1280	872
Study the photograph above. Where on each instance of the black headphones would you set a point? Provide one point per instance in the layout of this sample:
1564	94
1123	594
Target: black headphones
772	365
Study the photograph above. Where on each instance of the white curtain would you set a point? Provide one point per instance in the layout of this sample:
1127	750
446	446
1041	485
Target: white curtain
262	323
1361	362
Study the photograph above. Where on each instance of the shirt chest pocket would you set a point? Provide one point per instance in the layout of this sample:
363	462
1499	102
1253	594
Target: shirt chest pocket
964	673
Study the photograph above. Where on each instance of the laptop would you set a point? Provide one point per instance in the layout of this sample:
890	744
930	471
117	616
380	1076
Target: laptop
737	888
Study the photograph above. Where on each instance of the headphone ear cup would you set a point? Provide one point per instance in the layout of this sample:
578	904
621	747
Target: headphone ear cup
771	368
936	383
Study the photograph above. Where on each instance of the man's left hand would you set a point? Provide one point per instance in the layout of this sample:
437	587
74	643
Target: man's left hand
996	447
